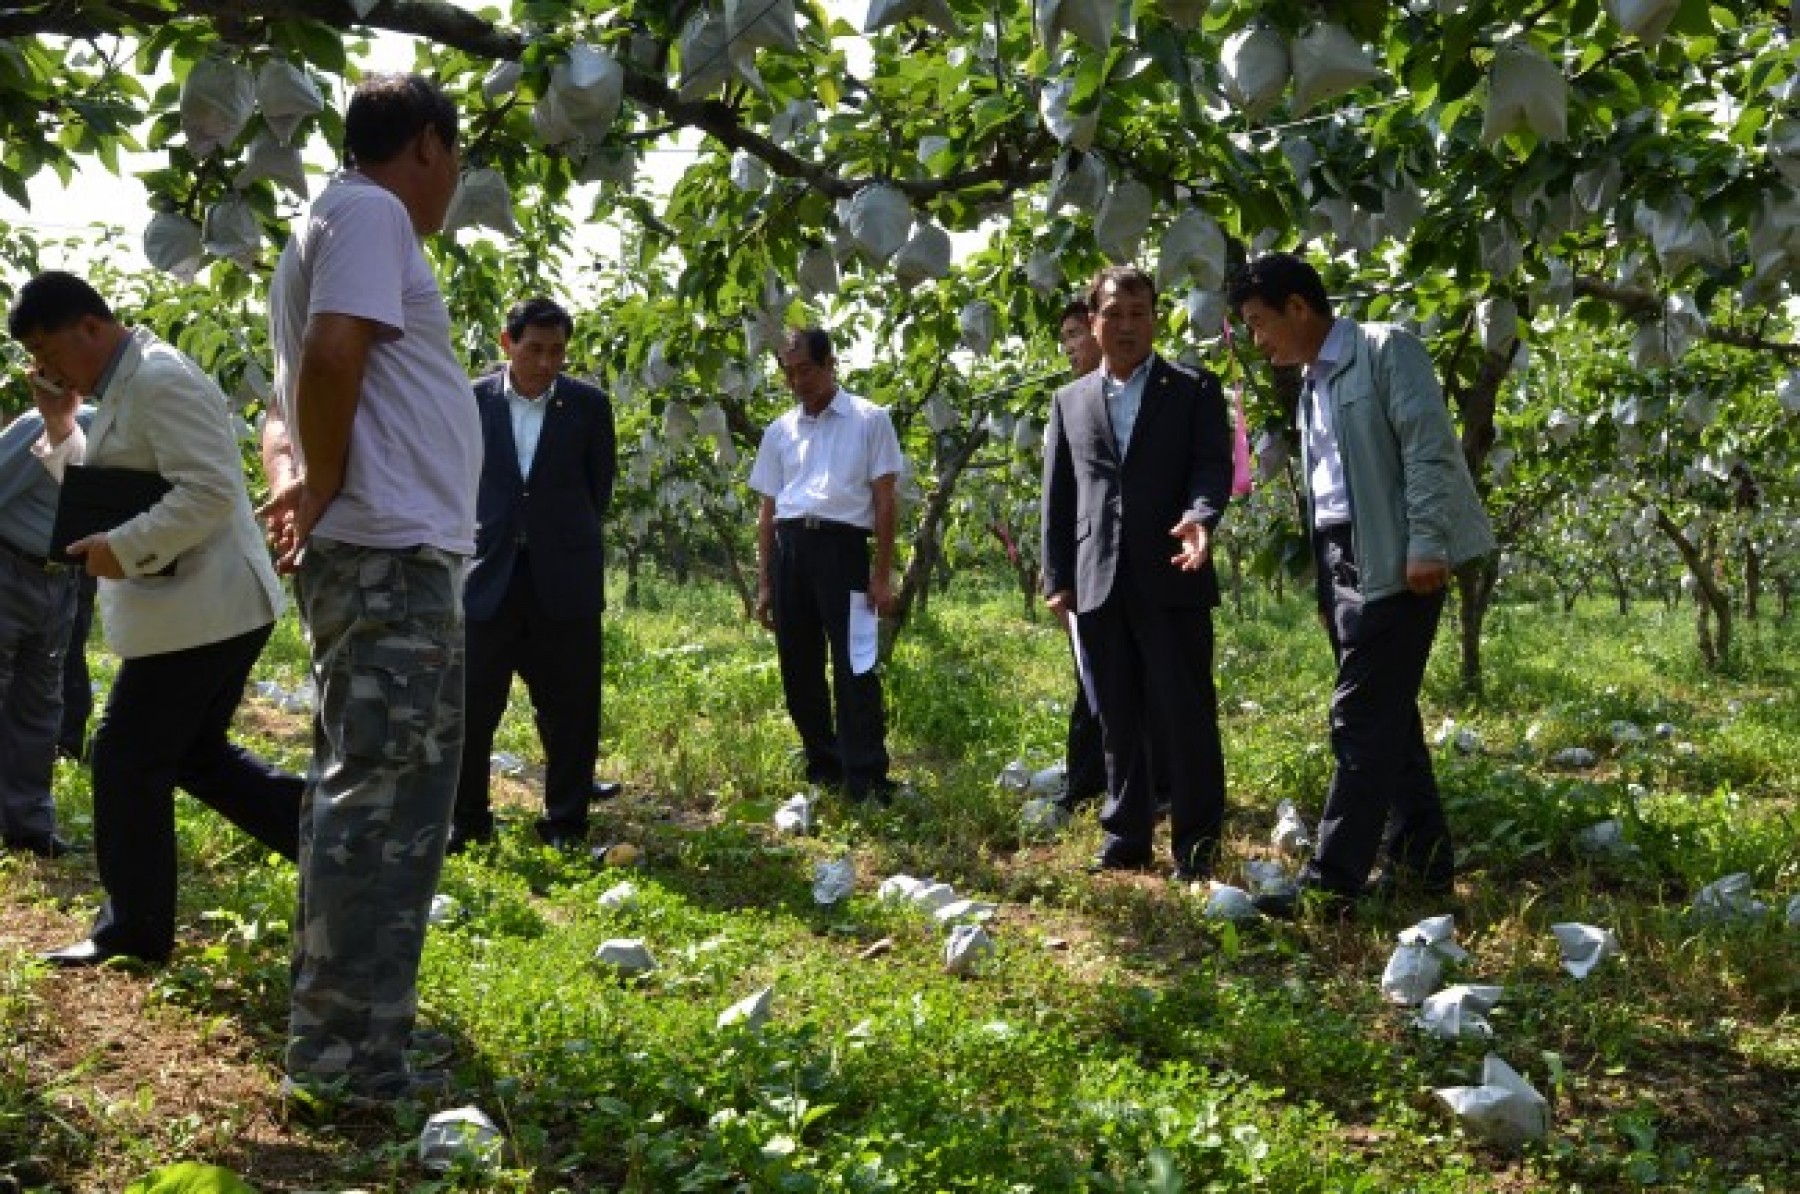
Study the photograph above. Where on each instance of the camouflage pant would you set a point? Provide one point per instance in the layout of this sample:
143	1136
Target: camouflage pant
386	629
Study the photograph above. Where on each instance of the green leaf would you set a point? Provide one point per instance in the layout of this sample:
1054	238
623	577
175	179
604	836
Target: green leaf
191	1177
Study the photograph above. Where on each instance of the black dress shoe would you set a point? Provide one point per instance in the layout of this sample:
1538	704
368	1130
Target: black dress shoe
44	845
88	952
606	789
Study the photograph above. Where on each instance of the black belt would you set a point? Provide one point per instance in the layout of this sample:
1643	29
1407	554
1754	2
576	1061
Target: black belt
812	523
36	561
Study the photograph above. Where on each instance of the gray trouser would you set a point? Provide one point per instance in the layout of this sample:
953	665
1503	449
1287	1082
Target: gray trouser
386	630
35	610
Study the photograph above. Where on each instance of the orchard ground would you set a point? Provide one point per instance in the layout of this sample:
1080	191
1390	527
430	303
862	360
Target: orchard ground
1116	1040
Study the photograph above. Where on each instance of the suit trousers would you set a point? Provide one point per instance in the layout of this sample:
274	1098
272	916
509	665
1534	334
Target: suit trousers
35	609
814	574
1152	668
560	661
164	727
1383	796
1085	758
77	684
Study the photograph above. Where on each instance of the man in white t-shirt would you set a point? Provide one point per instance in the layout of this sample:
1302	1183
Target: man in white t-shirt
373	448
826	471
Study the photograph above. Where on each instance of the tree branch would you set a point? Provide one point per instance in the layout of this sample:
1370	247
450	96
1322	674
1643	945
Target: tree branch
1645	304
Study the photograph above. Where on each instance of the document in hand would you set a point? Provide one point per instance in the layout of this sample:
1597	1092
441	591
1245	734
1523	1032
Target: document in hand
95	499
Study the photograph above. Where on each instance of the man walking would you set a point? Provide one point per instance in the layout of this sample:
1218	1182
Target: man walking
187	598
373	449
1137	462
1392	511
537	585
826	471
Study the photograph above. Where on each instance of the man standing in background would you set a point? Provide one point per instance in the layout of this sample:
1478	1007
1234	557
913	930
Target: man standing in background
373	450
536	588
826	471
1084	762
38	602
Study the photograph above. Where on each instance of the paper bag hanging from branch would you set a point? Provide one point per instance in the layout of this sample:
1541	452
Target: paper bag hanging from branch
1054	106
1328	62
1044	273
589	86
1784	148
748	174
925	257
978	324
231	231
763	23
1525	91
1077	179
268	158
878	218
481	200
1124	218
1256	68
1646	20
818	272
1680	237
710	59
1090	21
501	80
217	101
883	13
172	244
286	95
1193	249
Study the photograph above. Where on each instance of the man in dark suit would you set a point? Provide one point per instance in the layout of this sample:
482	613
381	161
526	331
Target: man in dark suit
536	586
1138	453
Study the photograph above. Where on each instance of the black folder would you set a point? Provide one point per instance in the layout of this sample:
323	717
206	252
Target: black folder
95	499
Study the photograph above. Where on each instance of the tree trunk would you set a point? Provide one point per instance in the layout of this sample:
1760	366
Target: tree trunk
1621	592
1752	581
634	556
925	543
723	528
1475	584
1714	600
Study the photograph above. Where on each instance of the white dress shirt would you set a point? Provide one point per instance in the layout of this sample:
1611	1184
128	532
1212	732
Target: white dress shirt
822	465
527	420
1324	466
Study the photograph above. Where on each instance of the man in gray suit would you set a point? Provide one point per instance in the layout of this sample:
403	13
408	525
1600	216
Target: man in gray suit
1137	465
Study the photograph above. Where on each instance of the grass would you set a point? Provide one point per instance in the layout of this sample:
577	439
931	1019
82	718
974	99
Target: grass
1116	1041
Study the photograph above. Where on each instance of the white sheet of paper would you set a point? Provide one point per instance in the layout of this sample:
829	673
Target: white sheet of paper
865	633
1081	663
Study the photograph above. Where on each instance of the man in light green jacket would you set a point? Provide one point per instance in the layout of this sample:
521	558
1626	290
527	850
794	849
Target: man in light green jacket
1392	510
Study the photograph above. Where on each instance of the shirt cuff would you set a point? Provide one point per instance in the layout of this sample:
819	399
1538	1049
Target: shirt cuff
72	450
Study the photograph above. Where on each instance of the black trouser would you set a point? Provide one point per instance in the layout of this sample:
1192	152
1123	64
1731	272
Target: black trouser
560	661
1152	671
164	727
77	685
1085	759
1383	797
814	574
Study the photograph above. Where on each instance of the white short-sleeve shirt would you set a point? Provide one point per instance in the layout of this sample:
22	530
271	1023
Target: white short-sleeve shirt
822	465
415	448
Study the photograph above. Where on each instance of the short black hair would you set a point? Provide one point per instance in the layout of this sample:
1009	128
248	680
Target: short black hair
537	313
1123	278
1276	277
388	112
53	301
815	340
1078	309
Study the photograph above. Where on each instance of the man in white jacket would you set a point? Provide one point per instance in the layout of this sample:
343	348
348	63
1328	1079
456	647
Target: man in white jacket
187	597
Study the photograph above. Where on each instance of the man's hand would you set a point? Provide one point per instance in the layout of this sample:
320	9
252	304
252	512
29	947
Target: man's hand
290	514
1425	577
765	606
98	553
881	593
1062	604
57	403
1196	545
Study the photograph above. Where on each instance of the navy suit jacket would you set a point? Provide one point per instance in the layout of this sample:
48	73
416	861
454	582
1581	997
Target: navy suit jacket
1106	519
556	512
